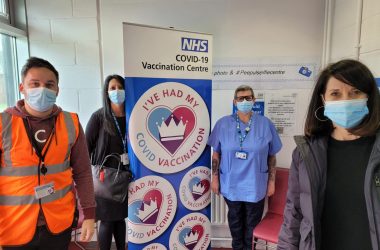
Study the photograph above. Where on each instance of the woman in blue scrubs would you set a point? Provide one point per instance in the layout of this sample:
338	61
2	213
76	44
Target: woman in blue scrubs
243	165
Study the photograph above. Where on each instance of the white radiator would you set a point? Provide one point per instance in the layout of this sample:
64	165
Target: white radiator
220	233
218	210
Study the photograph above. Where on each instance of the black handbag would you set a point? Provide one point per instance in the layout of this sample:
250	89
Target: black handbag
111	183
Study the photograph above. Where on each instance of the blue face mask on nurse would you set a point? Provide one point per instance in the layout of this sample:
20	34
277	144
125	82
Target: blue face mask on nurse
244	103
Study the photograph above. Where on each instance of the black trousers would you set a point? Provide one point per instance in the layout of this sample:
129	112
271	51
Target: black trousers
45	240
109	228
242	219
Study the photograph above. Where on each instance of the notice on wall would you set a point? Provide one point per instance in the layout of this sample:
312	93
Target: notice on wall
281	110
265	73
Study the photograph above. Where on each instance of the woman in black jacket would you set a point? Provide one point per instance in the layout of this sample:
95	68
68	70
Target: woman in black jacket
333	198
106	134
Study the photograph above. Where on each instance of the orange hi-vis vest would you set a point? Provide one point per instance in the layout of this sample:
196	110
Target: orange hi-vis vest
19	207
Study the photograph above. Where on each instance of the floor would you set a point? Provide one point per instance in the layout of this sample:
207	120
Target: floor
92	246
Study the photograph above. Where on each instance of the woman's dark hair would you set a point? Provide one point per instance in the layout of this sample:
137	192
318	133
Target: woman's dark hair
353	73
108	119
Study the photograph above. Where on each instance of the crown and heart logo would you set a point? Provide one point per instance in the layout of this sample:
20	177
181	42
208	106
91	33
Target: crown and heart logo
191	232
189	237
152	205
146	210
171	127
198	187
195	188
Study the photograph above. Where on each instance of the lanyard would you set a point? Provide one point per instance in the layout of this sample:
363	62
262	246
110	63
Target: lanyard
247	129
123	138
40	152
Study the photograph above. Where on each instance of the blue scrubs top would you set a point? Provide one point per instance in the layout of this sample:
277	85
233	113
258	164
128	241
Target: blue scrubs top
244	180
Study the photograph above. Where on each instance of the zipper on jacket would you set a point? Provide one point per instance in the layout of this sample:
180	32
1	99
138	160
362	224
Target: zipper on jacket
377	181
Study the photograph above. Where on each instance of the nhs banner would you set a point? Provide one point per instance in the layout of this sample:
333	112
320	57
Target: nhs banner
168	104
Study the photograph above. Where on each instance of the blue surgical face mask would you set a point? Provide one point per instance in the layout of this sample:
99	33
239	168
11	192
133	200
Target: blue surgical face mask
244	106
117	96
346	113
40	99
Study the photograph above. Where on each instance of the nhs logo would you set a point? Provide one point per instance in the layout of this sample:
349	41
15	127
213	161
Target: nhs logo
193	44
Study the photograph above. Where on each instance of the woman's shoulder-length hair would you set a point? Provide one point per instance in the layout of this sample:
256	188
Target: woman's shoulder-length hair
353	73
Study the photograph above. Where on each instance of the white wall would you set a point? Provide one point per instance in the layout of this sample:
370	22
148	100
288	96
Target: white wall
370	39
240	28
344	33
83	39
65	32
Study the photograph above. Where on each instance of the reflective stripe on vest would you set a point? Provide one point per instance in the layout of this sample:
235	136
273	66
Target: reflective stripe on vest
32	170
6	134
71	131
31	199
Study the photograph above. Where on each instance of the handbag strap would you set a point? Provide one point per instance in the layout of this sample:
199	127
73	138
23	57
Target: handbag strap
113	155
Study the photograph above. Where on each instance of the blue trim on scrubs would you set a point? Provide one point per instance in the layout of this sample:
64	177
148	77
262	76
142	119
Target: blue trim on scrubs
244	180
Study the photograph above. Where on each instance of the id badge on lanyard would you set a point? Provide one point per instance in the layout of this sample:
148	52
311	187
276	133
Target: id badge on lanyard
242	155
124	158
44	190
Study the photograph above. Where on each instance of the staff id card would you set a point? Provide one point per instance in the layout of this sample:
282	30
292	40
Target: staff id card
44	190
241	155
124	158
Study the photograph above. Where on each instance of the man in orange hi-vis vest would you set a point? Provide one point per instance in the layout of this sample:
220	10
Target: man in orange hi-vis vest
44	163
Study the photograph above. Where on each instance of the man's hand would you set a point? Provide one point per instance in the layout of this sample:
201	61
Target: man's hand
270	188
215	185
87	230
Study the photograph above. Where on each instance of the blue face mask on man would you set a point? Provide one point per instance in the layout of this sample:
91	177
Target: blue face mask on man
117	96
40	99
244	106
346	113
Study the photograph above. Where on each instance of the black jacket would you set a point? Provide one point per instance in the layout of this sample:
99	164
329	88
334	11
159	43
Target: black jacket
99	146
302	216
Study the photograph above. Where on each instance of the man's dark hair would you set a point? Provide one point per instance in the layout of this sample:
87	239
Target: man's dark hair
35	62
